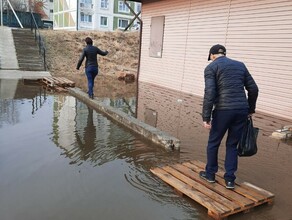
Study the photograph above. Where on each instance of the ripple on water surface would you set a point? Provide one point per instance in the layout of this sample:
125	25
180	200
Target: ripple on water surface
69	161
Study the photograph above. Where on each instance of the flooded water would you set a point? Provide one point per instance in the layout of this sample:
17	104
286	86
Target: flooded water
180	115
60	159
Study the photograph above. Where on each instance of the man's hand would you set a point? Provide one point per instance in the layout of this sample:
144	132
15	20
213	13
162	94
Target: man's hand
207	124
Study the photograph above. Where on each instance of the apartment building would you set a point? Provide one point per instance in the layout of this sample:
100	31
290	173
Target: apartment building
104	15
49	9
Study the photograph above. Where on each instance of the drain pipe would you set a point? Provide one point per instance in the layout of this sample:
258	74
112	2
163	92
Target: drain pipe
77	16
14	13
1	11
139	59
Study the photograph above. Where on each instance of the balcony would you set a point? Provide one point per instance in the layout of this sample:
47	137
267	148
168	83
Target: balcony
86	8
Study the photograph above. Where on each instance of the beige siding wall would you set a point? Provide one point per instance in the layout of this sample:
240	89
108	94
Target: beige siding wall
168	70
259	33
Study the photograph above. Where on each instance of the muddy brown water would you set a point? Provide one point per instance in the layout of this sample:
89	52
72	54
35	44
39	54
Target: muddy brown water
60	159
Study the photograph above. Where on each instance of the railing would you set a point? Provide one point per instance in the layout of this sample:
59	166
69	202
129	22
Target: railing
39	39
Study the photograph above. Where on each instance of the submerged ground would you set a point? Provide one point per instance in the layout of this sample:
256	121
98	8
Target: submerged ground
269	169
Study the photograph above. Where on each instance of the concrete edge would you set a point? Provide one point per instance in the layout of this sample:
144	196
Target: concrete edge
22	74
155	135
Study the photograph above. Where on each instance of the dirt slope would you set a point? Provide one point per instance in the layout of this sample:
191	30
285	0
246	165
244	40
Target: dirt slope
64	48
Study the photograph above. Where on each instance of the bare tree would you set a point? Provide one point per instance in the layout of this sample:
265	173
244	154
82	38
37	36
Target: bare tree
18	5
38	6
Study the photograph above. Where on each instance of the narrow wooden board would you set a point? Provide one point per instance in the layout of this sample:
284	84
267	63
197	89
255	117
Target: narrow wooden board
219	201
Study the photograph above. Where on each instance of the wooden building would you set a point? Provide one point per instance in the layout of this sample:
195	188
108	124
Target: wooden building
177	35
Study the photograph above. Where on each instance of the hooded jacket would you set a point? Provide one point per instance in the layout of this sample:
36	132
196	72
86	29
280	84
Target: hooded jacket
226	83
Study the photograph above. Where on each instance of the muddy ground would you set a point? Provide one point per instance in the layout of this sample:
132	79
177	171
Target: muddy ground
63	49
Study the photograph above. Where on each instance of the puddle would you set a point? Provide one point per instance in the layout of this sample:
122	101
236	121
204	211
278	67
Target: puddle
180	115
60	159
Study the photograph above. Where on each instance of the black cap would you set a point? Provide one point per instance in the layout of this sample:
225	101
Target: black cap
216	49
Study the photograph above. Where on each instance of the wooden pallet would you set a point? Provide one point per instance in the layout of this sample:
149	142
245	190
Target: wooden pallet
54	89
219	201
57	82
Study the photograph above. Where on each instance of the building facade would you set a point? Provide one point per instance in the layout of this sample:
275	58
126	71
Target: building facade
104	15
177	36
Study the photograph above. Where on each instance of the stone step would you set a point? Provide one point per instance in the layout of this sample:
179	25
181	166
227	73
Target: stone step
27	50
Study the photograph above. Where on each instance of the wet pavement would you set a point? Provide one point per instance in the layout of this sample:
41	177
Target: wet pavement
60	159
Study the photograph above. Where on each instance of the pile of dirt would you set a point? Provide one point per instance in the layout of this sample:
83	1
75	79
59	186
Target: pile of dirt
63	49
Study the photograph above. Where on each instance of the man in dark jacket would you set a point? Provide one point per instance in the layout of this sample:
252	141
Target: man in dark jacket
225	109
91	65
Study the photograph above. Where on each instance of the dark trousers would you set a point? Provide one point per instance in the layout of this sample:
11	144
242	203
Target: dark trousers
231	121
91	73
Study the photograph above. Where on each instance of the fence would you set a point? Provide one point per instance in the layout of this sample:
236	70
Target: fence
24	17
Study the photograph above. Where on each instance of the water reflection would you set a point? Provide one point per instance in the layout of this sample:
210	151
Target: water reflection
179	114
126	105
11	90
87	143
99	141
74	163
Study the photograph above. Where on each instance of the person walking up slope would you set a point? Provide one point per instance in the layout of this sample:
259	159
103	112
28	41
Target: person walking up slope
225	109
91	64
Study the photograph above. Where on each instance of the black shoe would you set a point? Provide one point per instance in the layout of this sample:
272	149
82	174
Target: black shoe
229	184
90	96
204	176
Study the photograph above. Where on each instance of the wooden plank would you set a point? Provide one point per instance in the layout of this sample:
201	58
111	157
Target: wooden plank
48	81
60	89
63	80
219	201
203	189
247	193
58	81
259	190
48	89
216	208
229	194
69	82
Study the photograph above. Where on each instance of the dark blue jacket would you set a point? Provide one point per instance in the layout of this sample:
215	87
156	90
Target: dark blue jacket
225	83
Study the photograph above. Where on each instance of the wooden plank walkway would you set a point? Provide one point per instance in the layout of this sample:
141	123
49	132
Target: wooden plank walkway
57	83
219	201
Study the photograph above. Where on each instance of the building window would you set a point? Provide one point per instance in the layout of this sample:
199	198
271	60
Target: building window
103	21
138	7
123	23
123	7
86	18
51	11
86	1
156	36
104	4
86	4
